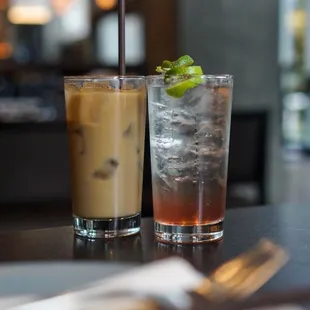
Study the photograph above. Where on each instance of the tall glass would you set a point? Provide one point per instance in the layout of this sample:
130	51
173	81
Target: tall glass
189	139
106	128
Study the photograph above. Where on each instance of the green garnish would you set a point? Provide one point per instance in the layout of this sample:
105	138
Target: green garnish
192	70
167	64
183	68
178	90
183	61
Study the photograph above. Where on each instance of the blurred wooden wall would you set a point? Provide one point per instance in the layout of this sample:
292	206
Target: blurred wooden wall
161	28
161	31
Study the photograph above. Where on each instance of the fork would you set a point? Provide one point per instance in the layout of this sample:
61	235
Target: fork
225	288
244	275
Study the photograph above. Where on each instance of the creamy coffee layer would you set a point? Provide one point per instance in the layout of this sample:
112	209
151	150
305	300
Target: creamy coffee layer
106	144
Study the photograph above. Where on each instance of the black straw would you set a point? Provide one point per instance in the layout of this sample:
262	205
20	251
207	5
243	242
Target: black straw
121	37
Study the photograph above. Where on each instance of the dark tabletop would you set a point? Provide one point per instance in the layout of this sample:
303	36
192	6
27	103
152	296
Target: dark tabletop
287	225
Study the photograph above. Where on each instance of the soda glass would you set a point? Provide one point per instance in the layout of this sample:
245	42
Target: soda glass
106	125
189	138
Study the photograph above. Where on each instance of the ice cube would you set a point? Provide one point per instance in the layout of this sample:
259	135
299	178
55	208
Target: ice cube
160	123
183	122
193	95
204	127
156	105
164	180
198	100
164	97
176	103
107	170
203	107
166	144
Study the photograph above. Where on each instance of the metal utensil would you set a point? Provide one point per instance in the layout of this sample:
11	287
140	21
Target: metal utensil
231	283
244	275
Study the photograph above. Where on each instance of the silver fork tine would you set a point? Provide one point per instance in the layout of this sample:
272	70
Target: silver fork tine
242	276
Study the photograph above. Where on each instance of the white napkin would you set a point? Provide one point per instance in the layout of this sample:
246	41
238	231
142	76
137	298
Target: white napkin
171	274
168	277
8	302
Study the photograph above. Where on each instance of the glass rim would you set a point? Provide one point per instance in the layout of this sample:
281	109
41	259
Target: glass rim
205	76
100	78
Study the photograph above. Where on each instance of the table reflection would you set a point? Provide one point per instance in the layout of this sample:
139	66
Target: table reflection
202	256
127	249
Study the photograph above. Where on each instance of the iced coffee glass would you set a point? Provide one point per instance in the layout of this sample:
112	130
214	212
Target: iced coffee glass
106	128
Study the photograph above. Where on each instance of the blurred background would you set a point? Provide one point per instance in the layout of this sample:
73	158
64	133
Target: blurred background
265	44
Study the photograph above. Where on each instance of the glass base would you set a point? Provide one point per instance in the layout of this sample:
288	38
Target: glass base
107	228
189	234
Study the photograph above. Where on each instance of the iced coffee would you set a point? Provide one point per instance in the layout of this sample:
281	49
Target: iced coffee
106	128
